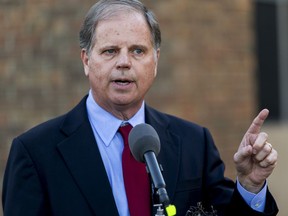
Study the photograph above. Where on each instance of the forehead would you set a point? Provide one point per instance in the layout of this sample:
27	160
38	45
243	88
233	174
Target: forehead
127	25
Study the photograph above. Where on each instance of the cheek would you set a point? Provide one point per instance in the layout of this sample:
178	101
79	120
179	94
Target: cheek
148	76
96	70
95	76
150	70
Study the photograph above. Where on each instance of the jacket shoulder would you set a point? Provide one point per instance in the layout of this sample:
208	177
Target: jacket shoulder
173	122
56	128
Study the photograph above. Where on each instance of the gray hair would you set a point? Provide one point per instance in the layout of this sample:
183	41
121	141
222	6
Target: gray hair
104	9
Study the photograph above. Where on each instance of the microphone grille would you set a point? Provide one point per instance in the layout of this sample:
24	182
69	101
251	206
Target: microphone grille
143	138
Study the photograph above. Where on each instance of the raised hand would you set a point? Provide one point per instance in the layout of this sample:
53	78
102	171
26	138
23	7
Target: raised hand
255	158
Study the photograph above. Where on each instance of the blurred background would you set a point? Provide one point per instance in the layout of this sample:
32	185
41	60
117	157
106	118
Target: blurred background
221	62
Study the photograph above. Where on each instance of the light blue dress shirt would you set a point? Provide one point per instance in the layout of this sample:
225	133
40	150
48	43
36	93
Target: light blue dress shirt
110	144
255	201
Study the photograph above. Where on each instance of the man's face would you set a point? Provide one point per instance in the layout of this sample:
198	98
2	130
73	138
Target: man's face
122	65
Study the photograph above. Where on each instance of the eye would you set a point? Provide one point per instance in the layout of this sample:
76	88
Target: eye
138	51
109	51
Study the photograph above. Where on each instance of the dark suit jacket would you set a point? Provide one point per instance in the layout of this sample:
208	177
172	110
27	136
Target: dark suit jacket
56	169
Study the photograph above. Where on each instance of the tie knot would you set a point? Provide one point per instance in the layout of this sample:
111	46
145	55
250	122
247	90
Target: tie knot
124	131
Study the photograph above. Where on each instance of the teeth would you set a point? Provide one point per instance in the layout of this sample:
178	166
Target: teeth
120	82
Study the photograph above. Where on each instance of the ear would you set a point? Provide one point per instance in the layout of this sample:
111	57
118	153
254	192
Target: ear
158	54
85	61
156	60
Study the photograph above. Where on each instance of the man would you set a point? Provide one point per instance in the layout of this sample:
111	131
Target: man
72	165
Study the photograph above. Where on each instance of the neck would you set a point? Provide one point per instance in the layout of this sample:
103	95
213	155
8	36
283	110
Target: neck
122	112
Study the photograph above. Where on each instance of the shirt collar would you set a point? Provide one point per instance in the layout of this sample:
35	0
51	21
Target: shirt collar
105	124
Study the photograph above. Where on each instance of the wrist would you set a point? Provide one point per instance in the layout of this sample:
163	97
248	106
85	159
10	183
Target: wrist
249	185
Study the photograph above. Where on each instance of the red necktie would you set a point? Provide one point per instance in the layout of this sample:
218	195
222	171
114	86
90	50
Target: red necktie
136	179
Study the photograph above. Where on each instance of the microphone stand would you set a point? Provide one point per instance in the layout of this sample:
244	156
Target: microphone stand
160	191
164	202
160	210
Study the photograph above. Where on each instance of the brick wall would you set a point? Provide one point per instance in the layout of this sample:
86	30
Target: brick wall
206	71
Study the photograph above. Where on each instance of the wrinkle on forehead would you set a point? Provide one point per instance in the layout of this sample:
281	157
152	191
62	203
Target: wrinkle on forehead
132	21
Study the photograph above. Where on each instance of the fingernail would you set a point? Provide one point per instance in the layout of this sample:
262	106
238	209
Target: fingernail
254	151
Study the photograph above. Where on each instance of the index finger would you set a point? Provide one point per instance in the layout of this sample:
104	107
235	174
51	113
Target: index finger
257	123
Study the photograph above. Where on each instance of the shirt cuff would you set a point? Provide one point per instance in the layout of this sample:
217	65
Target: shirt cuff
255	201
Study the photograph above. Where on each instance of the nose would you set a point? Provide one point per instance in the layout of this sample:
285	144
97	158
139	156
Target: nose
123	61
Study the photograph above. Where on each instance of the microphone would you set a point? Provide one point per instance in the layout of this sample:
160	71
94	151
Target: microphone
144	144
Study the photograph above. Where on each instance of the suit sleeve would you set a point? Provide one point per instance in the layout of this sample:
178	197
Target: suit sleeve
238	206
222	192
22	189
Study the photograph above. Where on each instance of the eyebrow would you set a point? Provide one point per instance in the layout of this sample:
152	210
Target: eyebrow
139	46
103	48
134	46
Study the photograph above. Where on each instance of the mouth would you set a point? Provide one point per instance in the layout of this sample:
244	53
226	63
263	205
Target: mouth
123	82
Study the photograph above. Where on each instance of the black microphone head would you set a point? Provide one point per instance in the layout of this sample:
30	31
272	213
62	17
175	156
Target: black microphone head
143	138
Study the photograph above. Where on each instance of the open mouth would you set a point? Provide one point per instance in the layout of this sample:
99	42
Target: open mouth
123	82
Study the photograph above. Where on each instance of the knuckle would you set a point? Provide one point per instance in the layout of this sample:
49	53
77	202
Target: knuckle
267	149
269	160
264	135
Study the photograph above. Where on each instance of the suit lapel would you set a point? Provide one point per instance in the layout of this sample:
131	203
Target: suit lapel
169	156
83	159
